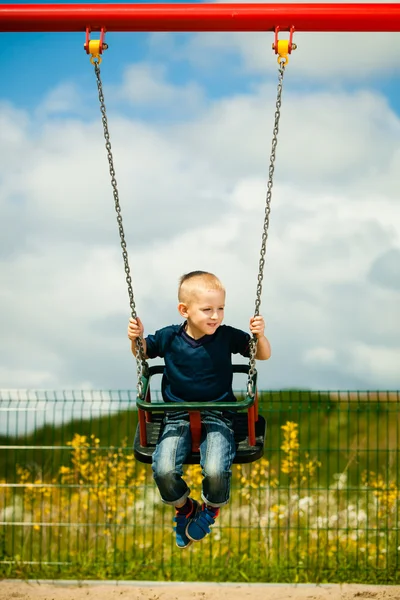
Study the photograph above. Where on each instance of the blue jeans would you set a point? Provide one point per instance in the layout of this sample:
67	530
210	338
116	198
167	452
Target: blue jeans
217	451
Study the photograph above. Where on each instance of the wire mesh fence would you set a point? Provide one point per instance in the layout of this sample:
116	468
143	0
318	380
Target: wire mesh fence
321	505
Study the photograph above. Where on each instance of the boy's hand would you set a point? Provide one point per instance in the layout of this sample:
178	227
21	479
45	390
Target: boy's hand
257	326
135	329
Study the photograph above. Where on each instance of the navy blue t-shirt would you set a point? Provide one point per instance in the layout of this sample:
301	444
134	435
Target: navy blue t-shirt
197	370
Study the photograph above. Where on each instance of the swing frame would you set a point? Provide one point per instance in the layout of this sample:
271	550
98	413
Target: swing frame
321	17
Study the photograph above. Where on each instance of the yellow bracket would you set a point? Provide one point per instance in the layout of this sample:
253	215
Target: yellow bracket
95	47
283	51
94	51
283	47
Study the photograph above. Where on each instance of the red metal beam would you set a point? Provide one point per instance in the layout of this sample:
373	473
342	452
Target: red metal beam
199	17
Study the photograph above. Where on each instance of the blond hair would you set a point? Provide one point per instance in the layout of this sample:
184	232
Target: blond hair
191	282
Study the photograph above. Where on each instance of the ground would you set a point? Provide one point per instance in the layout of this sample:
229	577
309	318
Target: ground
17	590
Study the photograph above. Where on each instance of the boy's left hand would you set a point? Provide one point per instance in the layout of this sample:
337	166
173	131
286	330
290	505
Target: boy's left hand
257	326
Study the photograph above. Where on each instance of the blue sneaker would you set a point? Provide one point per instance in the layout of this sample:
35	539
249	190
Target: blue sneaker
199	526
182	521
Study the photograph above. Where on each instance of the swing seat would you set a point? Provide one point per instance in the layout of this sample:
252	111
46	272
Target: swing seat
249	426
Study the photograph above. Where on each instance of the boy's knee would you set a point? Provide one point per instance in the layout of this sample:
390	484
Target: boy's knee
166	472
214	470
163	471
163	464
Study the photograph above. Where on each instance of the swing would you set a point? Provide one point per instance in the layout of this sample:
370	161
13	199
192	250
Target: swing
249	426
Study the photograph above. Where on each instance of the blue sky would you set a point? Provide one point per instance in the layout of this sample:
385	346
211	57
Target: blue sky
190	117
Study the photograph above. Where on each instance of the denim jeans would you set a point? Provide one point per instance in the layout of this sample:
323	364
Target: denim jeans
217	451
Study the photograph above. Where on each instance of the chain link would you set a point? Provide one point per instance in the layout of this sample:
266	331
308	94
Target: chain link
141	364
253	341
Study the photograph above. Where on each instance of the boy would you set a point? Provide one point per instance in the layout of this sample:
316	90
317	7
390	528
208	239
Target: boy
198	367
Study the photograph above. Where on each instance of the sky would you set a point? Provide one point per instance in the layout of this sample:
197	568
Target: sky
190	118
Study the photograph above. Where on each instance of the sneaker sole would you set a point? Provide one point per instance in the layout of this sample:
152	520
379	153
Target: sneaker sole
184	547
193	540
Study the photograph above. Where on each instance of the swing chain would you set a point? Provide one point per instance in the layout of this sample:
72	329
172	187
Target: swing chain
141	364
253	340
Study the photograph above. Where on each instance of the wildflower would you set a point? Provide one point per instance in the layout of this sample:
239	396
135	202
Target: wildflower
305	502
341	481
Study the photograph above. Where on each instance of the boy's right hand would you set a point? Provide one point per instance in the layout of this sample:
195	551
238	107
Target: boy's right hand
135	329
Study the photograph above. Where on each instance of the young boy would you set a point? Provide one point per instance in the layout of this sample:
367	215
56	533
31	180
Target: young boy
198	367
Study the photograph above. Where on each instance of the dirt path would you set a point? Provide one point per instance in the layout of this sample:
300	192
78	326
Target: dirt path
16	590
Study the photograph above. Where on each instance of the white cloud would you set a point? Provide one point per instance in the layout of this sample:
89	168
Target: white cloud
14	131
375	364
319	356
62	99
193	196
320	58
147	85
329	58
34	377
325	139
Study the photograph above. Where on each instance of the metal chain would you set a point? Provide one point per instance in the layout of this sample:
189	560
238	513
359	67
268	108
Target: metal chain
253	341
141	364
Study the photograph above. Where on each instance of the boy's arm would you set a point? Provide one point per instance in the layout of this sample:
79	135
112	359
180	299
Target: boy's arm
134	347
263	348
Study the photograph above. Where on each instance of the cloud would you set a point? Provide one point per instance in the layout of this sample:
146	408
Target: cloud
14	125
146	85
192	195
57	182
321	58
319	356
64	98
375	364
385	271
36	378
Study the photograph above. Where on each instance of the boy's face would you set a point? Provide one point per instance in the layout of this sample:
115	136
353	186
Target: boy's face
204	312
